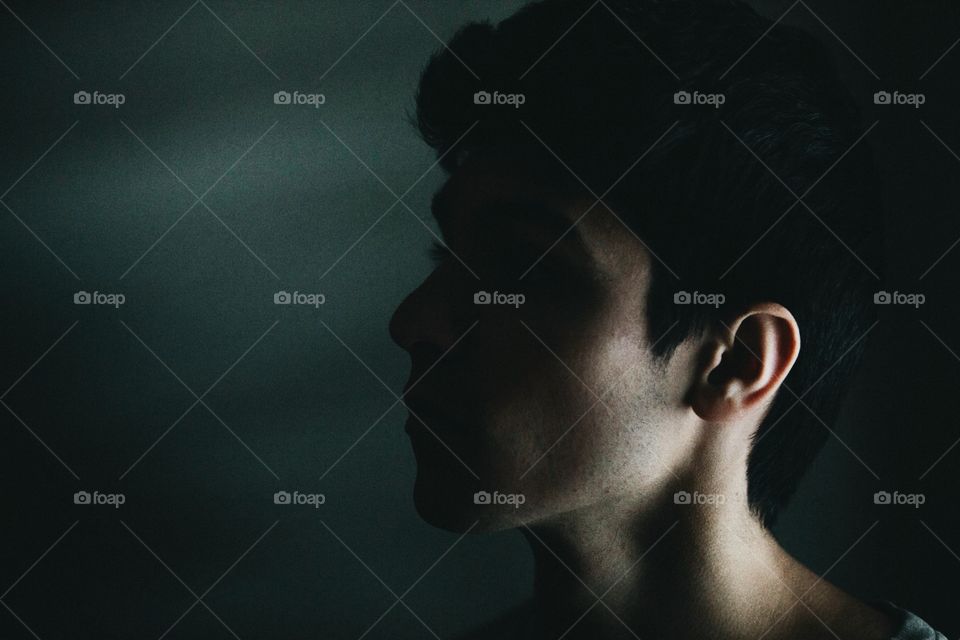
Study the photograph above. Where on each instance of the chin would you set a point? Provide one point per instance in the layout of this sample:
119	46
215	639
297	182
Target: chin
447	496
449	505
444	502
441	515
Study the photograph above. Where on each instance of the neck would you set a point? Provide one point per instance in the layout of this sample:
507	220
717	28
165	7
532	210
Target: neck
649	567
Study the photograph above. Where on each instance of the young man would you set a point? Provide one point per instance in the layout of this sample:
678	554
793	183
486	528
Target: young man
659	237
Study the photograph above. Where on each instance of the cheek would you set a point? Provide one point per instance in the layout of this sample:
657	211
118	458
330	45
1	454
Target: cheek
555	411
551	373
537	415
606	417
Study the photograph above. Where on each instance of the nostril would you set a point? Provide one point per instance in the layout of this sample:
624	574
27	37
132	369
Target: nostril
424	356
431	314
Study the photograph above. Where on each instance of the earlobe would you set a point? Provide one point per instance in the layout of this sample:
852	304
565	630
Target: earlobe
745	363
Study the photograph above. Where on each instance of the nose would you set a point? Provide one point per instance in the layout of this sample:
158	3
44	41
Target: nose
427	316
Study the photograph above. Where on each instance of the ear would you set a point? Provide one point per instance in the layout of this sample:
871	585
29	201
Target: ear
746	363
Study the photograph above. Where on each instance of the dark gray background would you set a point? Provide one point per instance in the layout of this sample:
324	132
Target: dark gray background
295	199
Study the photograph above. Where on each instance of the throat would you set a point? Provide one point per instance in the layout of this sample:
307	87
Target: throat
682	574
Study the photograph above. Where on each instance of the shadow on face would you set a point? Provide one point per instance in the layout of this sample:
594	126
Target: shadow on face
532	390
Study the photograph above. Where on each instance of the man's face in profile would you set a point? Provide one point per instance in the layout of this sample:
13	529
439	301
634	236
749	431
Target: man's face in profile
560	381
557	398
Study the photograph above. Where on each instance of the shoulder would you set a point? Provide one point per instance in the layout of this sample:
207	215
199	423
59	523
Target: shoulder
908	625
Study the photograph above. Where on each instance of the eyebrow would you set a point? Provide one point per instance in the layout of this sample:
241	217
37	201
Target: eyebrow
531	211
528	210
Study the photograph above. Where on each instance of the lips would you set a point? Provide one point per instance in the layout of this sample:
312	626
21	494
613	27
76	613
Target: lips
439	422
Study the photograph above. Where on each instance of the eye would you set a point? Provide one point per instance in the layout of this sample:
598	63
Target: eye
533	262
438	252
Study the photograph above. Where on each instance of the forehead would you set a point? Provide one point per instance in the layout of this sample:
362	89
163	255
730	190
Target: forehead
541	200
487	178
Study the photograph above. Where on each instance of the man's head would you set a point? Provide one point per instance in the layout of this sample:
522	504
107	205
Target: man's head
635	178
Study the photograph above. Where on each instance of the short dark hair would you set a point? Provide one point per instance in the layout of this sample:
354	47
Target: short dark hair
712	198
